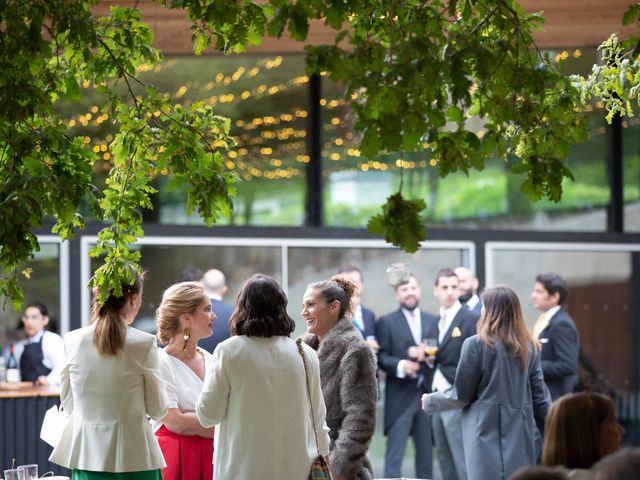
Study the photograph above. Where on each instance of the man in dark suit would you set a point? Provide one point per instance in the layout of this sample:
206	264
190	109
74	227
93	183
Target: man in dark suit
454	325
557	333
400	334
215	286
363	319
469	285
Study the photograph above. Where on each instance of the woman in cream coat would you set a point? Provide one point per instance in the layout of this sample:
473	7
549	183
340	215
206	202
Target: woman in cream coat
255	392
110	383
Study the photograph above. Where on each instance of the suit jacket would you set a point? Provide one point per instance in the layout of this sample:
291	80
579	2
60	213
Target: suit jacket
449	349
109	398
559	357
394	336
223	312
369	319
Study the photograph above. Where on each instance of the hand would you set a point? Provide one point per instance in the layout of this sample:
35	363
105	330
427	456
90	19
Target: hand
410	368
41	381
373	345
416	353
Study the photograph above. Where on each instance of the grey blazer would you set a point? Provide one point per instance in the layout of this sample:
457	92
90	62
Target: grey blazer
504	409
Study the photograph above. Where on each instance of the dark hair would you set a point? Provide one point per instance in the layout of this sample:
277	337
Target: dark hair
109	326
502	319
338	287
350	267
444	273
39	306
191	274
554	283
572	429
261	309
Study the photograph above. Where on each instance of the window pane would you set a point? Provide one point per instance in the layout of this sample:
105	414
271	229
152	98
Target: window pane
631	174
308	265
602	289
266	98
43	287
166	263
356	187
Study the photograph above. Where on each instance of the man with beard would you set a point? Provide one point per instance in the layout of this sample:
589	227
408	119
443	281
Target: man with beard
401	353
468	290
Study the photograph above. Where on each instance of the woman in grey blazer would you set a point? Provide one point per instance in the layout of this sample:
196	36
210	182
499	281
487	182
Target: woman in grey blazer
110	383
500	387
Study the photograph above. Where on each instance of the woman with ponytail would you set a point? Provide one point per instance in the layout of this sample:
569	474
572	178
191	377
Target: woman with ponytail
110	383
184	317
347	373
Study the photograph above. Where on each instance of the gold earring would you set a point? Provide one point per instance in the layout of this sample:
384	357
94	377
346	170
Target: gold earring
186	334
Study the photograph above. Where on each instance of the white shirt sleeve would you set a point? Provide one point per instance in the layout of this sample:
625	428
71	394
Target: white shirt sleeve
53	356
168	376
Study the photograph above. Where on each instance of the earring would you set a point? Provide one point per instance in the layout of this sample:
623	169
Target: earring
186	334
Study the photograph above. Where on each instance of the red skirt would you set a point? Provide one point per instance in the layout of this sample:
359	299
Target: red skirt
187	456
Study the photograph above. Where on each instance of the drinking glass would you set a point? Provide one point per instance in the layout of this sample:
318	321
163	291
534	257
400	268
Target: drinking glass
11	474
430	348
28	472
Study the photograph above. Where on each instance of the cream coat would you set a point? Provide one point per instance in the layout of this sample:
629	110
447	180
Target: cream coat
255	391
109	398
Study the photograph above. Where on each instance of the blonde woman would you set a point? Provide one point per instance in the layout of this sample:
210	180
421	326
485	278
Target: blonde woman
110	383
500	387
184	317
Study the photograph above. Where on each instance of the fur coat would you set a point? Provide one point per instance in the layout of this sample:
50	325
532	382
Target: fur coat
348	378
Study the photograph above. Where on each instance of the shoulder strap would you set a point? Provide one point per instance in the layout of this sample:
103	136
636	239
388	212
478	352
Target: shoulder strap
306	376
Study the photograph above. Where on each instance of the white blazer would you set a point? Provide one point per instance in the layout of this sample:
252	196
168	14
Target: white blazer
109	398
255	391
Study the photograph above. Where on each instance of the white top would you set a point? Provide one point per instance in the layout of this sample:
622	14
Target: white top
182	384
52	353
109	398
255	392
440	383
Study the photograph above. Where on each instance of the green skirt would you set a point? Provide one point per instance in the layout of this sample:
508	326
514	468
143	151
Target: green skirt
141	475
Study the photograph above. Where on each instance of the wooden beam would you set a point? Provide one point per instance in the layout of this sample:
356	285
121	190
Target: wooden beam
568	23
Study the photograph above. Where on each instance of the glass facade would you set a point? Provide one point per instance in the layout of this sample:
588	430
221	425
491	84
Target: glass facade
604	285
41	279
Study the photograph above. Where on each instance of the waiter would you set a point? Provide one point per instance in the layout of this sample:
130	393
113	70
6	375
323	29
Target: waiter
43	355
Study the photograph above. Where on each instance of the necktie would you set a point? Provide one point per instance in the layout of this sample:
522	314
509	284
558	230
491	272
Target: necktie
442	323
538	326
414	319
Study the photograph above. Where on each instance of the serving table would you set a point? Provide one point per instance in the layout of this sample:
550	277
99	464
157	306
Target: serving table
22	409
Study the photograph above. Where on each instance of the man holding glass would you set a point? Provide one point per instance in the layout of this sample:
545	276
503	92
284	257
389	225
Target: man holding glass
401	356
453	327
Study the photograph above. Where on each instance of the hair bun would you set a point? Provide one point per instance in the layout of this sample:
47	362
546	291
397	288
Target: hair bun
345	283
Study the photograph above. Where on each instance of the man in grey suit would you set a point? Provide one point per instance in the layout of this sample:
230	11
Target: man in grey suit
453	327
557	333
215	286
399	334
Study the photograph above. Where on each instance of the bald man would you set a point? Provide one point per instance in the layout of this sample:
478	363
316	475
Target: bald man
468	289
215	286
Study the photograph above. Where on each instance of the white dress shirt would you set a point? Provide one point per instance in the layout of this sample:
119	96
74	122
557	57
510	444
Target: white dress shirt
52	353
416	332
548	315
440	383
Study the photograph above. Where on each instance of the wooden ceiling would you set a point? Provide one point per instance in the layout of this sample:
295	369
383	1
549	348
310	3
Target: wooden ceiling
569	23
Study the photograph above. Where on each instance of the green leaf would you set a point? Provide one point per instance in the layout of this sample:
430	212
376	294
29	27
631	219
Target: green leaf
400	223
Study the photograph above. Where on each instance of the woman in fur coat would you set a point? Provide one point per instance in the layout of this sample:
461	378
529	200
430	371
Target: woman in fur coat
347	375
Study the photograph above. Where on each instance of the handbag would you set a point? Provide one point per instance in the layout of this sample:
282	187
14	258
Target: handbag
319	467
54	422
